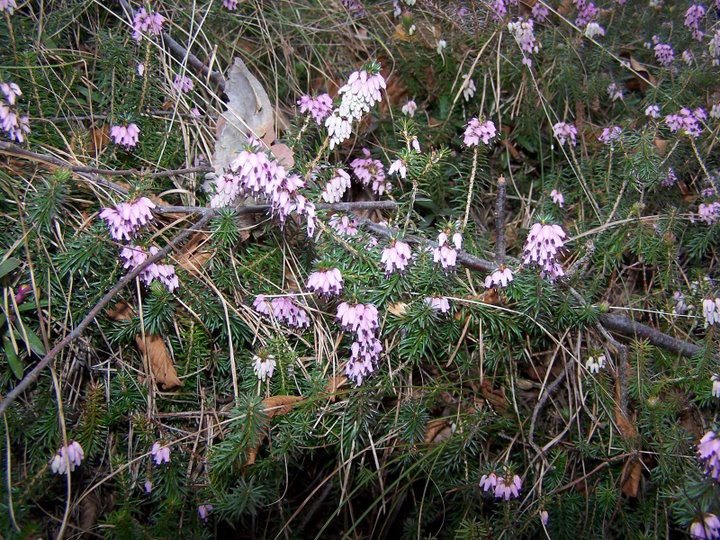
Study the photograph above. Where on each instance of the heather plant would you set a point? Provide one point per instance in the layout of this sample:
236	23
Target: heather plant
360	269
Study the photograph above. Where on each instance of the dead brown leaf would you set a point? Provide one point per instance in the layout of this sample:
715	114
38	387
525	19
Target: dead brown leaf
496	398
277	405
641	77
632	473
437	430
193	256
398	309
284	154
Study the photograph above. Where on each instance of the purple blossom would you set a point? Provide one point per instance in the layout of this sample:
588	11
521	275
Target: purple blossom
370	172
69	456
318	107
284	309
230	5
709	213
396	257
409	108
476	132
693	17
148	486
498	9
711	311
125	219
664	54
705	528
499	278
670	178
160	454
564	131
8	5
610	134
11	91
183	84
687	121
652	111
508	487
438	303
205	509
343	225
523	32
688	57
540	12
587	12
22	293
325	282
544	517
708	453
134	256
488	482
147	23
543	245
126	136
362	320
557	197
14	125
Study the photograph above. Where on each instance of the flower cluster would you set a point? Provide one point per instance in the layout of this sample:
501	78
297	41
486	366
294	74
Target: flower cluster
564	131
499	278
69	456
594	365
362	320
614	92
126	136
498	9
587	11
362	91
593	30
476	132
165	273
711	311
183	83
253	173
230	5
147	23
610	134
14	125
542	247
438	303
445	254
687	121
523	32
409	108
504	487
355	8
705	528
318	107
664	54
8	6
396	257
125	219
714	48
343	225
652	111
264	365
693	17
709	213
160	454
540	12
284	309
370	172
680	307
557	197
325	282
708	453
468	87
336	186
205	509
669	179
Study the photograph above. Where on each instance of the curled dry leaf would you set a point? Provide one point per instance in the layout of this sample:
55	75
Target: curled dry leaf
152	348
437	430
398	309
631	475
274	406
284	154
193	256
496	398
333	385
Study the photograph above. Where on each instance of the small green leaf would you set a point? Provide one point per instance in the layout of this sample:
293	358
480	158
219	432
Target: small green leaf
12	357
8	265
33	341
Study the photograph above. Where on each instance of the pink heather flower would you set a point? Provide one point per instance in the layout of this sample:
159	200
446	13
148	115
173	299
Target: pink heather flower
22	293
195	113
183	83
664	54
339	128
319	107
498	9
714	48
325	282
488	482
593	29
542	247
652	111
364	355
362	319
523	32
354	7
688	57
160	454
8	5
468	87
68	457
396	257
709	213
205	509
444	253
508	487
147	23
540	12
711	311
715	385
264	366
164	273
148	486
557	197
544	517
594	365
610	134
564	131
398	166
128	217
708	454
133	256
286	311
409	108
438	303
687	121
336	186
476	132
16	127
370	171
586	12
126	136
499	278
670	178
614	92
360	93
680	307
693	17
343	225
261	305
10	91
416	145
230	5
705	528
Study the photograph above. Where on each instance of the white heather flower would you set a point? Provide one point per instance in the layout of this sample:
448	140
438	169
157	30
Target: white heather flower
409	108
715	111
69	456
264	366
444	253
398	166
499	278
715	385
441	46
339	128
336	187
396	257
652	111
522	31
557	197
595	365
411	30
438	303
711	311
614	92
593	29
468	87
415	144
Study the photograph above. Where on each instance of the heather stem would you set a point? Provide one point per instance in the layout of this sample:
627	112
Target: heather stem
500	221
470	188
